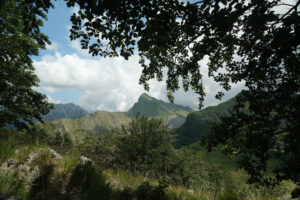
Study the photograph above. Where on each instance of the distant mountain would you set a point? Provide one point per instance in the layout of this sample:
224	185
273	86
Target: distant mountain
102	121
150	107
198	123
68	110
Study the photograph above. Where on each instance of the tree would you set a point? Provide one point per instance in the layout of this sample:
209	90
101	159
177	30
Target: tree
252	41
146	147
20	38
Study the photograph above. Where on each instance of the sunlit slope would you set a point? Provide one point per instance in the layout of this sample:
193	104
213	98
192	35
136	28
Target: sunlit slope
96	123
150	107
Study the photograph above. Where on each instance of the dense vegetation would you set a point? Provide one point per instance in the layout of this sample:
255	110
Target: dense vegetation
20	38
135	162
255	42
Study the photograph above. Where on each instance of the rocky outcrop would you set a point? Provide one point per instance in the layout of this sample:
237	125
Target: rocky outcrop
41	171
84	161
29	170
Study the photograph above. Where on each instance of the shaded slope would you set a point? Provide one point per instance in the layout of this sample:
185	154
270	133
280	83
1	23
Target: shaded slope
198	123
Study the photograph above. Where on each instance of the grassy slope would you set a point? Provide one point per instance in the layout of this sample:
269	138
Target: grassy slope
96	123
151	107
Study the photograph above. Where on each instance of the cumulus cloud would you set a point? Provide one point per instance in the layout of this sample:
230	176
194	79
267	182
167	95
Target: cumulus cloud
111	83
108	84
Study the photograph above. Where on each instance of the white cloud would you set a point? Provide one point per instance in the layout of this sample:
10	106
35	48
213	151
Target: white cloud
111	83
108	84
53	46
54	100
75	44
284	6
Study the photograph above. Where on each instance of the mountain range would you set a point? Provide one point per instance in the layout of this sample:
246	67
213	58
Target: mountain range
188	125
77	123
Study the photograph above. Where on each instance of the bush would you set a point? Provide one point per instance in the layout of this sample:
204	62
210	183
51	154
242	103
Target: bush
148	192
90	183
227	195
146	147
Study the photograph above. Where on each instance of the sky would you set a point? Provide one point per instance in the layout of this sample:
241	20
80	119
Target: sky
69	74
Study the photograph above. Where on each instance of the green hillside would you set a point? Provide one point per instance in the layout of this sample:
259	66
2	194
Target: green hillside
198	123
96	123
150	107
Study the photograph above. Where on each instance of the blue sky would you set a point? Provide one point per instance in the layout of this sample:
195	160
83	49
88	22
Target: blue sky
69	74
56	28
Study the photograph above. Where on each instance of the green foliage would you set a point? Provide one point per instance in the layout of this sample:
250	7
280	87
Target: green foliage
243	41
62	142
101	150
11	184
69	162
148	192
90	183
146	147
7	144
260	137
20	38
227	195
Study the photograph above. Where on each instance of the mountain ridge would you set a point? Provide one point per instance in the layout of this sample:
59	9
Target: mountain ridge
104	121
151	107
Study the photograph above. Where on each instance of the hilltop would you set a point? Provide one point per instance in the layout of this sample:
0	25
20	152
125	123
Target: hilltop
150	107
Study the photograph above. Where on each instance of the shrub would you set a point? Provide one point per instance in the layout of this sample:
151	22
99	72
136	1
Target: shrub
90	183
146	191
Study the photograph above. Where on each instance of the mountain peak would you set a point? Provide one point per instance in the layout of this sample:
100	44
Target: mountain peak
145	96
151	107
